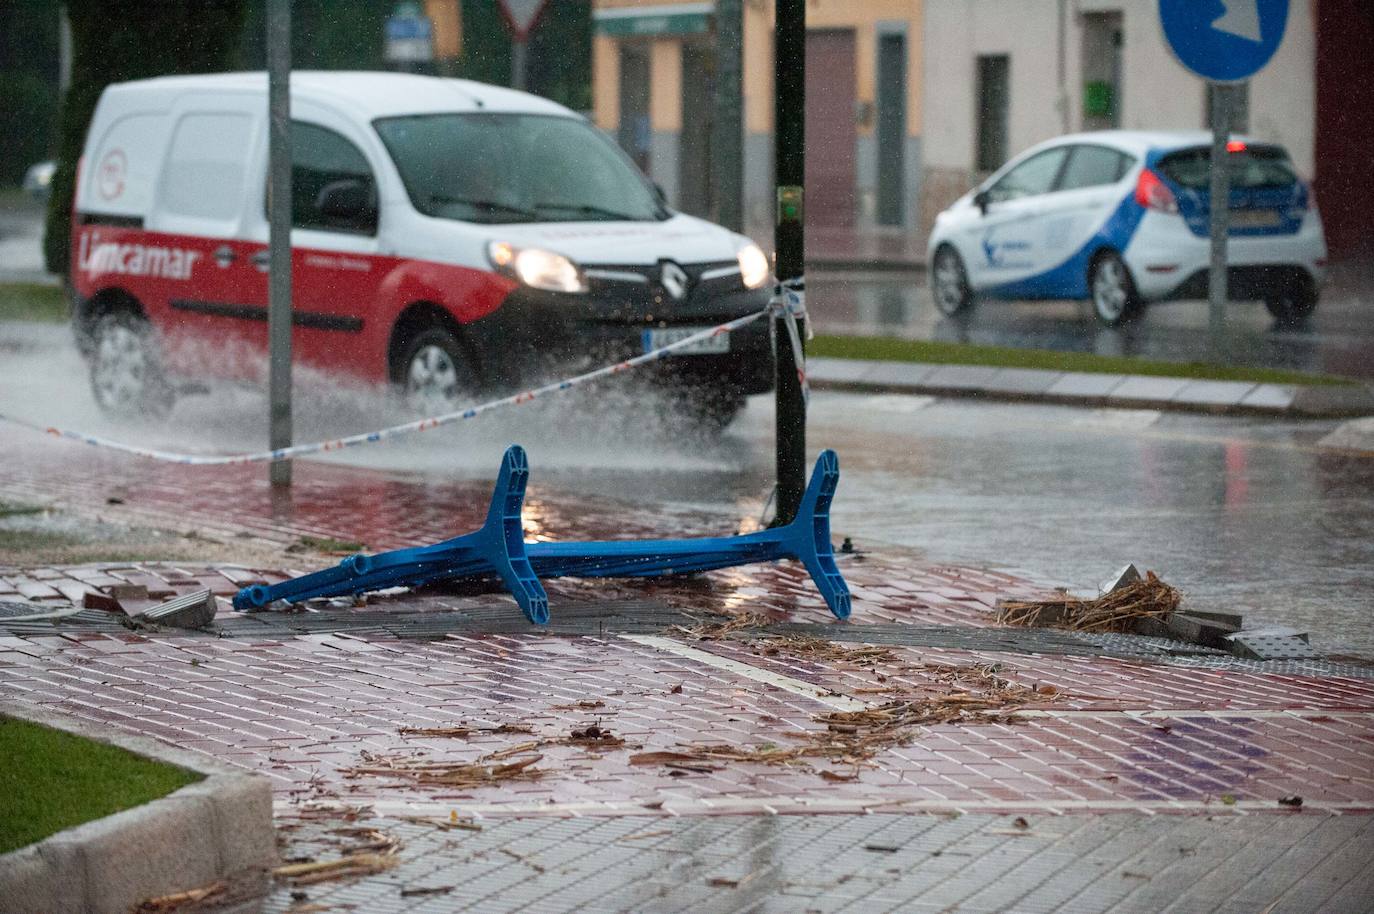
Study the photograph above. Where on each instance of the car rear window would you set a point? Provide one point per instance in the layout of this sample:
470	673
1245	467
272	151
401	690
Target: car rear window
1254	167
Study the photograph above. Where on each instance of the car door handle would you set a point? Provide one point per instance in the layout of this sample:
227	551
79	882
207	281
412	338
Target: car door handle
224	255
262	259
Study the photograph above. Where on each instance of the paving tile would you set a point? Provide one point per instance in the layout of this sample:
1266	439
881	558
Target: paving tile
1140	387
1214	393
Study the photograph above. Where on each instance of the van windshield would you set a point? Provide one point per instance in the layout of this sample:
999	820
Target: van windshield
501	168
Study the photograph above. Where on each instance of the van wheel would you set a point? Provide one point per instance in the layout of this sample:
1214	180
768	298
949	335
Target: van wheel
949	282
126	368
436	373
1293	301
1113	291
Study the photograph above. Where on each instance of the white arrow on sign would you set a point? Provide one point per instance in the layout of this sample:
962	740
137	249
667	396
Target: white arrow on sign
1241	19
521	15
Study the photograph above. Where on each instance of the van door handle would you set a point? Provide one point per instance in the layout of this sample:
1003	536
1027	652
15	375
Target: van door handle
224	255
262	259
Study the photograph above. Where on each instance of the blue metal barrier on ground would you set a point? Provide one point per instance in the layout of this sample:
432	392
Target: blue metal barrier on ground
498	549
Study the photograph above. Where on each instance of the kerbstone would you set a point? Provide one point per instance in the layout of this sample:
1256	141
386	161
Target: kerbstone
164	846
242	814
29	882
1141	387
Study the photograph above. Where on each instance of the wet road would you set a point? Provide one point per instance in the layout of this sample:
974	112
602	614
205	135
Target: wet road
1339	338
1242	514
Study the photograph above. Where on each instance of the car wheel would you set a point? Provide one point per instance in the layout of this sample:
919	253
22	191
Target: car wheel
1113	291
126	368
436	373
1293	301
949	282
707	409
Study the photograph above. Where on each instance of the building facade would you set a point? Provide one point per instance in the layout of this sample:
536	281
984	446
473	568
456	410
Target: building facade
1002	75
653	67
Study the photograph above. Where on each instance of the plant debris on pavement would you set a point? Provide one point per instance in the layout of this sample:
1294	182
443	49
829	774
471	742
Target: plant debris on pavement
1119	610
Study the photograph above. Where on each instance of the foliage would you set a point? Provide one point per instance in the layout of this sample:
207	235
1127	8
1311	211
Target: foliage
28	84
21	301
119	40
51	780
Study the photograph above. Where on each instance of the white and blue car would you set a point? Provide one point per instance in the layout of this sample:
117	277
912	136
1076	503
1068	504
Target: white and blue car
1122	218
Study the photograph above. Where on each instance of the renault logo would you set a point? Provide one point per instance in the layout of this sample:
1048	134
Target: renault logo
674	280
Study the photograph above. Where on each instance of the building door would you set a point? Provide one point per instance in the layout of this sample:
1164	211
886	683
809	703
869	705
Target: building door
992	113
1345	131
694	141
635	133
892	130
830	129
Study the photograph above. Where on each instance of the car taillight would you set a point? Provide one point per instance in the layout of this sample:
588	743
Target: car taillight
1152	193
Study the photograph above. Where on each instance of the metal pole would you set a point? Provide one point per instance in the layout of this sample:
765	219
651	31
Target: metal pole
789	145
1221	217
279	233
518	47
727	153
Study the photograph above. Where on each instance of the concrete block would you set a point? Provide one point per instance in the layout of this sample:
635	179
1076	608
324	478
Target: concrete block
192	610
1142	388
1087	386
28	884
1214	393
1128	575
961	377
899	375
159	848
1270	396
1023	381
839	371
242	806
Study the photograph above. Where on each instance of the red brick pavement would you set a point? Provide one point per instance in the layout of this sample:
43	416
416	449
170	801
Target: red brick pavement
303	710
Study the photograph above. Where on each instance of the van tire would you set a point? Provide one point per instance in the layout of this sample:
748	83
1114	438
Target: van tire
949	285
1112	290
1293	301
127	377
436	374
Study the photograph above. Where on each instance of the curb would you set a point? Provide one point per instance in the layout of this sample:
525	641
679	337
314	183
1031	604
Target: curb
216	829
1065	388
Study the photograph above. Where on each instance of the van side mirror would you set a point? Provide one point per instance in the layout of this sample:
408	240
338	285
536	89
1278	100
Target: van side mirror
347	201
981	200
659	195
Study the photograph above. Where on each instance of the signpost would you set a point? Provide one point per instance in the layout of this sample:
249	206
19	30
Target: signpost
521	17
1223	42
279	235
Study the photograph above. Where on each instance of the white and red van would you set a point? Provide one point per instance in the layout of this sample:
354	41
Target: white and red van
449	237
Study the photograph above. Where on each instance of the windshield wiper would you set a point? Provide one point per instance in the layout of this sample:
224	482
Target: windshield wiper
488	205
588	209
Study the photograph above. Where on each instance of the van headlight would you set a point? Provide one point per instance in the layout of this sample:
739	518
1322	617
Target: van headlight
536	268
753	266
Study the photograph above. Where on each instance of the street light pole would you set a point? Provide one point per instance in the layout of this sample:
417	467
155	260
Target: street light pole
789	144
279	234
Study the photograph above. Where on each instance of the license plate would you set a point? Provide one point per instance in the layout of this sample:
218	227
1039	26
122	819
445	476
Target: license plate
1255	218
711	345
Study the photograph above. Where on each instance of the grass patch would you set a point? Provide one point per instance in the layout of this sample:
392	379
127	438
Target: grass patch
892	349
50	780
30	301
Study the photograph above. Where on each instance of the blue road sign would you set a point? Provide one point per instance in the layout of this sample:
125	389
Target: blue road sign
1225	41
405	28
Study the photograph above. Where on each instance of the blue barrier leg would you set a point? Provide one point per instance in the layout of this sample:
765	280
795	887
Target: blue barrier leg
806	539
497	547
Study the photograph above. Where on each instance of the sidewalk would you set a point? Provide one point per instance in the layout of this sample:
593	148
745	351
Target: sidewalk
1094	390
1051	801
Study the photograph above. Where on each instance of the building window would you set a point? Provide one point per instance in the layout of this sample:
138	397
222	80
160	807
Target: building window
992	111
1240	107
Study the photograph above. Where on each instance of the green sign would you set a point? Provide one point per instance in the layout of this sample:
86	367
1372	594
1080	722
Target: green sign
628	26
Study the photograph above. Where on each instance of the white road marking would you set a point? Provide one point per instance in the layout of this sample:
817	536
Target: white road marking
787	683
